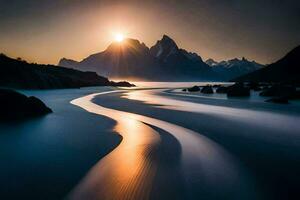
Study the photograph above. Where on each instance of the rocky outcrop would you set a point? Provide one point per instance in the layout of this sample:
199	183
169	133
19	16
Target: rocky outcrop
280	100
238	90
222	90
207	89
194	89
254	86
122	84
279	90
14	106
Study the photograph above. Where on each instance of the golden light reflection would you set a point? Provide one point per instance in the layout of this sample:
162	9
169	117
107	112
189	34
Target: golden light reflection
128	171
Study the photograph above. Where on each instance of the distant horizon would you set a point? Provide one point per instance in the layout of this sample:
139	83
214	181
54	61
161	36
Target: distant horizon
46	31
204	59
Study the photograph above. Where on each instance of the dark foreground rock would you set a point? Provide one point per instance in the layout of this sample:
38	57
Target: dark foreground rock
296	95
238	90
279	91
281	100
122	84
207	90
14	105
194	89
222	90
253	86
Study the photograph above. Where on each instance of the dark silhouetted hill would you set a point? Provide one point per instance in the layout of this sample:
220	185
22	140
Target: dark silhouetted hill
285	70
16	73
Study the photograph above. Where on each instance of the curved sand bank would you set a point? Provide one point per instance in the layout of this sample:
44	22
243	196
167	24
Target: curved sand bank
129	171
262	136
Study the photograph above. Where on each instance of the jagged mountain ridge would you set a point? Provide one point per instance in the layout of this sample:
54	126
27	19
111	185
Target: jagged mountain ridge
211	62
233	68
177	60
132	59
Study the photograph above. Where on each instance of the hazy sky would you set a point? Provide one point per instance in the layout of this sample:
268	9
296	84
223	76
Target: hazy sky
45	30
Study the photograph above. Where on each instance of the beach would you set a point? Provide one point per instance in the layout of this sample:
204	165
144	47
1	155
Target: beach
157	143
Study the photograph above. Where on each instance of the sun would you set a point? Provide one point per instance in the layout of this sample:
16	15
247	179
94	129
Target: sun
119	37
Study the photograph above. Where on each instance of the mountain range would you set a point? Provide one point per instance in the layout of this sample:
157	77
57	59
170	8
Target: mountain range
233	68
285	70
163	61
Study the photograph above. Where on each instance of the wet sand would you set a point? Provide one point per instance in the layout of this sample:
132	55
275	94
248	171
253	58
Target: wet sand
202	162
152	144
227	151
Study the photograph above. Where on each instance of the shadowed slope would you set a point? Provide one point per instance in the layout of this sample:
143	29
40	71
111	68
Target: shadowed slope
286	70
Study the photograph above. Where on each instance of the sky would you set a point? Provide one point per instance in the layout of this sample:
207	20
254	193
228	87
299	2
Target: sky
46	30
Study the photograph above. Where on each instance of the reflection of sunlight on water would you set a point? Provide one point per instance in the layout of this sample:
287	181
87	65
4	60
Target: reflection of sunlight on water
145	84
128	171
261	118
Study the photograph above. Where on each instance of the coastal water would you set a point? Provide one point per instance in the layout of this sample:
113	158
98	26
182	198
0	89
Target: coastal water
153	144
44	158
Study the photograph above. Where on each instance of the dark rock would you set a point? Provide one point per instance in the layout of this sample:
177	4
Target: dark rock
296	95
222	89
253	86
194	89
122	84
238	90
14	105
281	100
265	87
207	90
184	90
37	106
279	91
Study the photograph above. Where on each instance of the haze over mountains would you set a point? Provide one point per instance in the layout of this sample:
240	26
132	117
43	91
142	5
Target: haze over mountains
164	61
233	68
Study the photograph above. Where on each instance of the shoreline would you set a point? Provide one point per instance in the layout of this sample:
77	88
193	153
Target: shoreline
209	148
206	154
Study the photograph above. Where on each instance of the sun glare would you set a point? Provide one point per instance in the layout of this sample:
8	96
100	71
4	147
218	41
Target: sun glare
119	37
